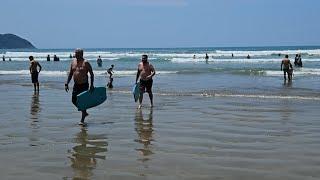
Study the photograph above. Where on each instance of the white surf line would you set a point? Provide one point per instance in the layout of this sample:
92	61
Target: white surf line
265	96
226	95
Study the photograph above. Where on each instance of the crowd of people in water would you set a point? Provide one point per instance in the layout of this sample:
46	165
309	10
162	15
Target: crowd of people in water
80	68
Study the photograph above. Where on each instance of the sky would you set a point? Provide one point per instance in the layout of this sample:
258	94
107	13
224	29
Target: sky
162	23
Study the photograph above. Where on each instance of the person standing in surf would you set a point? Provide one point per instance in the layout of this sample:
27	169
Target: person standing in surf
145	72
286	66
34	72
79	70
99	61
207	57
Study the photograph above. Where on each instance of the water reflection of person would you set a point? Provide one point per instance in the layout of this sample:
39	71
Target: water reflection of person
34	119
86	152
287	84
144	129
35	105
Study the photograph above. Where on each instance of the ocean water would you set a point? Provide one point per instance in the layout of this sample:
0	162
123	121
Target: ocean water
178	73
228	118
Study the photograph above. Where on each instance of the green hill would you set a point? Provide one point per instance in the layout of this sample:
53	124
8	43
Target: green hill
11	41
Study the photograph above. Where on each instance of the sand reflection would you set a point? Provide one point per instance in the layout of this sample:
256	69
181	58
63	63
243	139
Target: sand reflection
86	153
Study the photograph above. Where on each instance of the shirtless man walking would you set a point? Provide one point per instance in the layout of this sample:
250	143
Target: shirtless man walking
286	66
34	72
79	70
145	71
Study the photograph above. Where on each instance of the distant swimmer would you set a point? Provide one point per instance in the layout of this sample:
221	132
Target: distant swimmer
79	70
70	56
34	72
248	57
286	67
9	59
48	57
99	61
194	56
145	72
207	57
298	61
110	71
56	58
232	55
3	58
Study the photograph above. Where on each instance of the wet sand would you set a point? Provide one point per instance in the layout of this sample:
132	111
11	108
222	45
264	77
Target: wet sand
182	137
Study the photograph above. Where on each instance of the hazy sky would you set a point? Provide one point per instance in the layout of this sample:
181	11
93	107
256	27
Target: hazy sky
162	23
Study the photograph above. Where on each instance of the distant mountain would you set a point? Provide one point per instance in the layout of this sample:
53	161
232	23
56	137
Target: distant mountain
11	41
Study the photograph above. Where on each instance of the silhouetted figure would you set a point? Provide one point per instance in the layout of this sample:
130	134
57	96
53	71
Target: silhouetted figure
70	56
248	57
3	58
296	60
9	59
232	55
48	57
55	58
194	56
110	71
299	61
207	57
99	61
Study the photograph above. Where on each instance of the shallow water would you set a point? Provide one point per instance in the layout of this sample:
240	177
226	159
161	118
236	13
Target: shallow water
182	137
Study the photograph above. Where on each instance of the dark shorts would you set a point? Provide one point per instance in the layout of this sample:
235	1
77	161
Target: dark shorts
77	89
146	86
34	77
286	70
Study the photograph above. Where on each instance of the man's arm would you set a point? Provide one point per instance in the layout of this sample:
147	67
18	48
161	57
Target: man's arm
153	71
40	68
91	75
138	74
66	87
281	65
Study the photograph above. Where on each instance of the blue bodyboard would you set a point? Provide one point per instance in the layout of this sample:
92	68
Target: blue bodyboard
136	92
87	99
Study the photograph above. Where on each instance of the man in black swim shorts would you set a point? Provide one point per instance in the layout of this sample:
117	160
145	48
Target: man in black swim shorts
145	71
34	72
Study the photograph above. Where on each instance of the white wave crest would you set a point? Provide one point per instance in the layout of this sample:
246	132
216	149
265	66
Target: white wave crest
296	72
65	73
